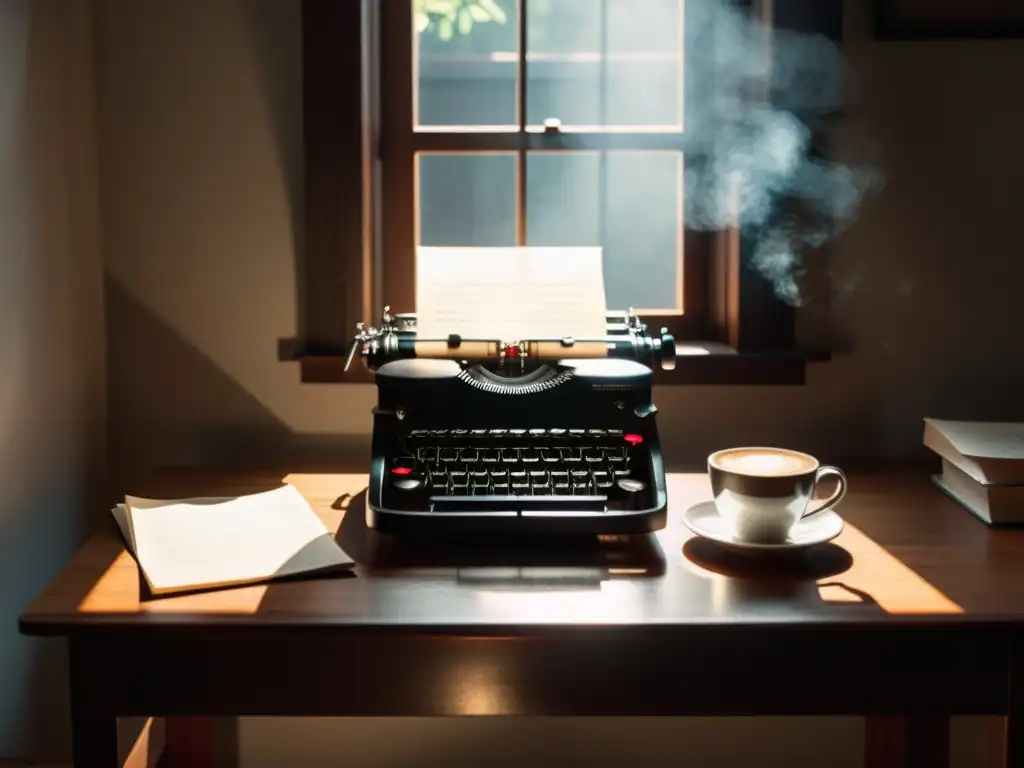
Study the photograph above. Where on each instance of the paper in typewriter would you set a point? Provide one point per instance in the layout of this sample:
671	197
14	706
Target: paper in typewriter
510	294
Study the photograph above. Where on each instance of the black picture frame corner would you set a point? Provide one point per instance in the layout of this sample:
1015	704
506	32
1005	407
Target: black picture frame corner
889	25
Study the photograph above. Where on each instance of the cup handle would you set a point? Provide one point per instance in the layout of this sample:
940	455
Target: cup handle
837	495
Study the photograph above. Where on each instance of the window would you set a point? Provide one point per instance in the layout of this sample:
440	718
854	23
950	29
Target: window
425	127
577	142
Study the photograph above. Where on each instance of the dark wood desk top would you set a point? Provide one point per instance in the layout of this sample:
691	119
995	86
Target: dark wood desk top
907	552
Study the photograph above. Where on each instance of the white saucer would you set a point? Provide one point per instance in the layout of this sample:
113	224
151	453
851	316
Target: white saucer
703	519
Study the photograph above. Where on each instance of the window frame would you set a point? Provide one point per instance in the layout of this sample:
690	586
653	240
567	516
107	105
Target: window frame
734	330
401	142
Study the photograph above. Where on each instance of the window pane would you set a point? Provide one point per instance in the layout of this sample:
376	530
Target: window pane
465	56
605	63
466	199
563	198
639	220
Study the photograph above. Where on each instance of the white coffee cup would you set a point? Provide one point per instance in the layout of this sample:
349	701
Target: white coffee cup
763	492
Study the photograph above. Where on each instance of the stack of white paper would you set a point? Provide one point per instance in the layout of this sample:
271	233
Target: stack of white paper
203	543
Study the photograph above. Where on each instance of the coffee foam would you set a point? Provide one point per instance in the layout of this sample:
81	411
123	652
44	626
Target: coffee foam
763	462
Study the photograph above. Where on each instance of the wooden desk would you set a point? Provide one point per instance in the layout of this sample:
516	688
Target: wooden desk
913	614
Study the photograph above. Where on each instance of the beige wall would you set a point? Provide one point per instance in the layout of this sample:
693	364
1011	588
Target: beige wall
51	345
200	118
199	107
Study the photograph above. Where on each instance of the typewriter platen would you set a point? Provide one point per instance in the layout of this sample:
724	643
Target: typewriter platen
537	435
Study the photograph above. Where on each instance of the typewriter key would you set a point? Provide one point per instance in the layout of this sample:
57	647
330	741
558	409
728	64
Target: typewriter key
630	485
406	473
630	492
407	482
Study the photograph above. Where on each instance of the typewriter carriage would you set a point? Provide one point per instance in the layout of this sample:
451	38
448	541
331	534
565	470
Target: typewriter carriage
396	338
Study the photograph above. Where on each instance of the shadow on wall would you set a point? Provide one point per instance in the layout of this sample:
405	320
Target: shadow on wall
203	235
277	58
204	232
51	387
170	404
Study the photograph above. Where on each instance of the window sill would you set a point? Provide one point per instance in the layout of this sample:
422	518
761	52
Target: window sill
697	364
712	363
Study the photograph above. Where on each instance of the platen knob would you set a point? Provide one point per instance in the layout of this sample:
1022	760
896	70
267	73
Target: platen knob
668	350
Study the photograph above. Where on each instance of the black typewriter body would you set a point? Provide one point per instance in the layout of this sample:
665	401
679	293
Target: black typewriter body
509	445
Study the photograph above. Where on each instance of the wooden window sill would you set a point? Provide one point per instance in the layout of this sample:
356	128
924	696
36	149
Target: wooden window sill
697	364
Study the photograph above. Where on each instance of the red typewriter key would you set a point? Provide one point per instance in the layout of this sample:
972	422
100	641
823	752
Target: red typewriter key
406	474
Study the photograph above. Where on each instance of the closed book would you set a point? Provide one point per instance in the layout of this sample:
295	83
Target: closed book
994	504
990	452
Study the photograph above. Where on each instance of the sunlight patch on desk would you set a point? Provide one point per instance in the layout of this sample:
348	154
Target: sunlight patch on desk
116	591
873	577
609	600
878	576
119	591
832	592
719	596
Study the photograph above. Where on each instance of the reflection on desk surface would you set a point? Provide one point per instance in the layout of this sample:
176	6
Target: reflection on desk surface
906	551
535	558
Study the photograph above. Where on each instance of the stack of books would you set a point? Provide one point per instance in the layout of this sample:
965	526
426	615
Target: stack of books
186	545
982	466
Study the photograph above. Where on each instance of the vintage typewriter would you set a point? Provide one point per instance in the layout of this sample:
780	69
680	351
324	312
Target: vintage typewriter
537	435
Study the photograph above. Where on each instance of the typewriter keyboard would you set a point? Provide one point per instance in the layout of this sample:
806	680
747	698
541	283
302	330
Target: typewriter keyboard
522	462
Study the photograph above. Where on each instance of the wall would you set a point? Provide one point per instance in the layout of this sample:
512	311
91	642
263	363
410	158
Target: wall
199	107
51	345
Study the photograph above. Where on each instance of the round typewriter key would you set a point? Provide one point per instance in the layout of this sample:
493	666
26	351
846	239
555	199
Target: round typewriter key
630	492
406	473
407	482
629	485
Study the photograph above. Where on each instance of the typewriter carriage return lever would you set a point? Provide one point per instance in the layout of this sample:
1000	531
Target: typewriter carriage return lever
397	339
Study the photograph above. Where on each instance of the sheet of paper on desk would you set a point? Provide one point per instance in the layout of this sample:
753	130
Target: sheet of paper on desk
510	294
202	543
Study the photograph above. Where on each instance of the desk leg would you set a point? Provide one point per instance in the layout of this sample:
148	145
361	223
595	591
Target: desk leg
906	742
93	718
928	742
191	742
1015	711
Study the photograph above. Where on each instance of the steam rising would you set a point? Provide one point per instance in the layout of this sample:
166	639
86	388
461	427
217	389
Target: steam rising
756	96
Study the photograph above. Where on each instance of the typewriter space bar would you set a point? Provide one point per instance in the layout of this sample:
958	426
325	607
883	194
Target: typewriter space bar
484	504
